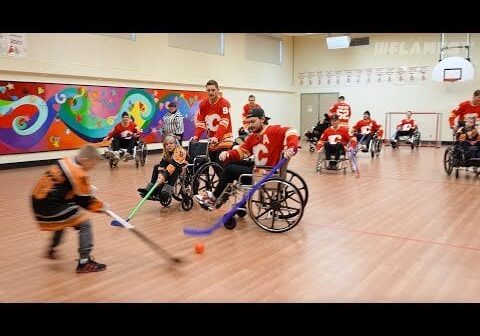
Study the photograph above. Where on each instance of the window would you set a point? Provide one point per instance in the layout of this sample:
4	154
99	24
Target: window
211	43
263	48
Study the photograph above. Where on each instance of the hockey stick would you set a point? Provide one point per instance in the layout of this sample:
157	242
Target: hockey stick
154	246
134	211
235	207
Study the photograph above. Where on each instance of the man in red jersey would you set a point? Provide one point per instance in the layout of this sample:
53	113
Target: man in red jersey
365	129
334	139
406	127
342	110
246	109
214	117
468	108
124	137
266	143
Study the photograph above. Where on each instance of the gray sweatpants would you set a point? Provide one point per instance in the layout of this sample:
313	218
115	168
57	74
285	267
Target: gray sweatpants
85	239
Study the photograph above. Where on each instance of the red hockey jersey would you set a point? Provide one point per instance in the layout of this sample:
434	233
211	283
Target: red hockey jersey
266	146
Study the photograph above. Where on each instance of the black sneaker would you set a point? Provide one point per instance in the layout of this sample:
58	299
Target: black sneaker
51	254
90	266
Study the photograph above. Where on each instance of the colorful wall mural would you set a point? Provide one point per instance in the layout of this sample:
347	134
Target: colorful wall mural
37	117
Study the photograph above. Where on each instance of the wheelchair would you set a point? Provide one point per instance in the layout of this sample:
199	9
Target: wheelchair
140	152
343	163
456	157
413	140
374	145
276	206
312	138
199	174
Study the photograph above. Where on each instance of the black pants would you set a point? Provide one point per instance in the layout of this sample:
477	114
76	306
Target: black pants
231	173
403	133
366	139
119	142
170	179
335	150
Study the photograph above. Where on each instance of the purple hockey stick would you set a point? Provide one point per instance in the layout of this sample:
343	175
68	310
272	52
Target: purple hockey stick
236	206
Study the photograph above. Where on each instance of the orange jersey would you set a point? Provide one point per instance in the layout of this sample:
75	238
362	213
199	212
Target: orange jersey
246	109
464	110
407	124
266	146
343	111
366	126
215	119
177	159
59	193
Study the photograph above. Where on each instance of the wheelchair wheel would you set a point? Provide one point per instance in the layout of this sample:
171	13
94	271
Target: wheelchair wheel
165	199
206	177
448	161
113	163
144	155
372	149
177	190
378	147
298	182
241	213
276	206
457	174
187	203
231	223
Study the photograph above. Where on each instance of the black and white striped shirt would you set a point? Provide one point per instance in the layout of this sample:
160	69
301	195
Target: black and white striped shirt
173	123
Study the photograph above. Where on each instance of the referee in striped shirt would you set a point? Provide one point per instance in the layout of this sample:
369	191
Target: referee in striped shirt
173	122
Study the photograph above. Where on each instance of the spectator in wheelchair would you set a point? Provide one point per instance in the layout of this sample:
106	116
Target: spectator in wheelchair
468	140
366	129
333	140
318	130
406	127
265	142
125	135
169	168
468	108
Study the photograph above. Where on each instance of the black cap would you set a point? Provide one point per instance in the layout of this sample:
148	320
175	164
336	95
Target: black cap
124	114
172	104
257	112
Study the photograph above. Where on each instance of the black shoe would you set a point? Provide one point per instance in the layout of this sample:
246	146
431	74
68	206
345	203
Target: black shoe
90	266
51	254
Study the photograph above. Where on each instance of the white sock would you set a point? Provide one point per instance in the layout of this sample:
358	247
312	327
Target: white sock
83	261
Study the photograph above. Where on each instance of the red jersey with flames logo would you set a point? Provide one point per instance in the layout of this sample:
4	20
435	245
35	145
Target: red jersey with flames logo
124	132
335	135
266	146
407	124
343	111
463	111
367	126
215	118
246	109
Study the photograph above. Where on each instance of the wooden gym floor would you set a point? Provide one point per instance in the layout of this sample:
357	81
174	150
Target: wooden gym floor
403	232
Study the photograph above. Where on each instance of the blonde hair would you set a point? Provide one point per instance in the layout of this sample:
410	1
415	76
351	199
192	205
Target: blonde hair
168	138
89	152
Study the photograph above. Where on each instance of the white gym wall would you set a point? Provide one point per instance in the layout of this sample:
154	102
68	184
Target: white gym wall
389	50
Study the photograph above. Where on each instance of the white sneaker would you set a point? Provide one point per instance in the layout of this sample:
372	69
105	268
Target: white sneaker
127	157
109	154
207	199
